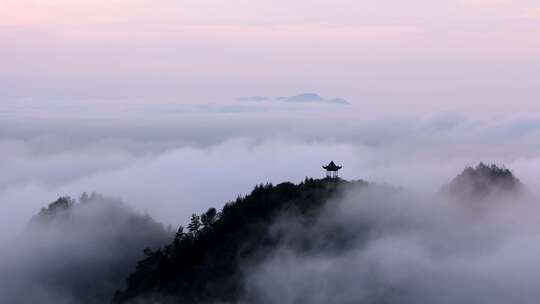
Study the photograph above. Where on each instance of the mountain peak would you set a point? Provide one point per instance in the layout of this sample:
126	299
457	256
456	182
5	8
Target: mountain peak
484	181
305	97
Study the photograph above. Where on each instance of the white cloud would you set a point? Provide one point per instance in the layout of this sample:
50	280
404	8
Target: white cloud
171	165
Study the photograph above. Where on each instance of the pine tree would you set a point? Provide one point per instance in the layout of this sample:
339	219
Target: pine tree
194	225
179	236
209	218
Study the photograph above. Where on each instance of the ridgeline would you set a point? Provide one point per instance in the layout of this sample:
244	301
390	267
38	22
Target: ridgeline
101	240
203	263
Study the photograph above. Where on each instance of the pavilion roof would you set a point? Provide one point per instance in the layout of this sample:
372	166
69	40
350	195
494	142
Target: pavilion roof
332	167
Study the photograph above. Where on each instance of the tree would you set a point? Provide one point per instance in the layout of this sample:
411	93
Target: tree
179	236
56	208
194	225
209	218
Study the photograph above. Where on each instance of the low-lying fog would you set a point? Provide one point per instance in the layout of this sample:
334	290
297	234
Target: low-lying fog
406	249
171	164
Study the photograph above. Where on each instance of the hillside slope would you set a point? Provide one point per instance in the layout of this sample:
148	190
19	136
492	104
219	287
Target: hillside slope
204	263
76	252
276	237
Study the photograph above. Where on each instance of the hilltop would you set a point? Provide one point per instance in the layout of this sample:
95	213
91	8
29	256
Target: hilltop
203	263
77	251
483	182
206	261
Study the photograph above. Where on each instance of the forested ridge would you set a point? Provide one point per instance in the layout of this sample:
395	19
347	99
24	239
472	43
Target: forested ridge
92	250
203	262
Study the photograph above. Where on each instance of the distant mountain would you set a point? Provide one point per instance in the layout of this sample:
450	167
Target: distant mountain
338	101
300	98
307	97
254	98
482	182
314	98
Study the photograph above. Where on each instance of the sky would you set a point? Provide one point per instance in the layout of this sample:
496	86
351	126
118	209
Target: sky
385	56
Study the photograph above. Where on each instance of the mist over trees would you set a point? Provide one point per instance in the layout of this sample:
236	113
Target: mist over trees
76	251
308	243
484	182
204	263
319	241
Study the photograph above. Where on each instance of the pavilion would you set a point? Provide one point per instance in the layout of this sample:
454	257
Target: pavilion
332	170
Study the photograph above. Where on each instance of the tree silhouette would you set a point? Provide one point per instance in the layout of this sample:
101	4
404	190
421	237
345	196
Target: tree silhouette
194	225
209	217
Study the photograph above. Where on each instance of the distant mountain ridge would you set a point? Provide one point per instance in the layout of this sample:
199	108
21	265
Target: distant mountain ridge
300	98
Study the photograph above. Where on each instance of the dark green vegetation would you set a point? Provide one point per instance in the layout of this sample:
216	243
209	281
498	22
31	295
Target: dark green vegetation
203	263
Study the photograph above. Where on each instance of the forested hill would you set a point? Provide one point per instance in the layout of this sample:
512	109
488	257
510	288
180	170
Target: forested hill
208	260
203	263
484	182
77	252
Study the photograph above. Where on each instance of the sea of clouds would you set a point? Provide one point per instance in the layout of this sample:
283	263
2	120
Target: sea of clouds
171	161
397	247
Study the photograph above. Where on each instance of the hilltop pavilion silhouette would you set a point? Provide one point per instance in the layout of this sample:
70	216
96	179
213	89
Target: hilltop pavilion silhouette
332	170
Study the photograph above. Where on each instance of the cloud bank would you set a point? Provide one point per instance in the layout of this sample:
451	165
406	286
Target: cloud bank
393	247
169	163
163	162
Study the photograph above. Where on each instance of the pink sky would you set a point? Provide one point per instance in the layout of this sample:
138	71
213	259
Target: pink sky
432	55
